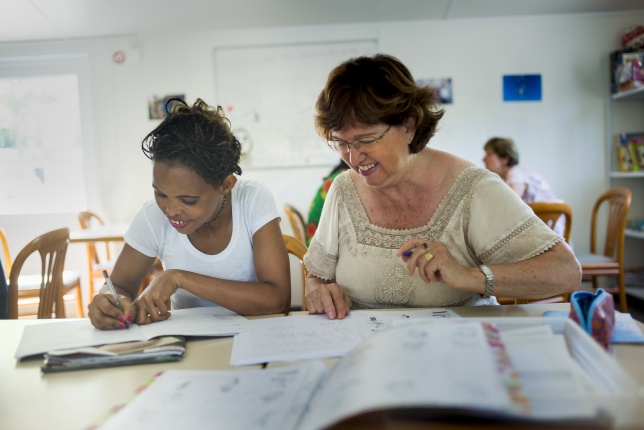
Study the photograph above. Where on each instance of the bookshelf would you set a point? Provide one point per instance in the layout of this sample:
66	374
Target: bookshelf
626	114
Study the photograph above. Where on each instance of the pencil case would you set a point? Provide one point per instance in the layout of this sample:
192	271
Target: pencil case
595	313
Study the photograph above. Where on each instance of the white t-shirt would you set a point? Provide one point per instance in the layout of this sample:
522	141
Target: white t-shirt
151	234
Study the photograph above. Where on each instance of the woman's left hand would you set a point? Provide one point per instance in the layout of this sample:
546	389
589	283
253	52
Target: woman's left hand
435	263
154	302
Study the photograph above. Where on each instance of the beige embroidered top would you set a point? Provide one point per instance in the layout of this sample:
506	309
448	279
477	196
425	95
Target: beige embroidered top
481	220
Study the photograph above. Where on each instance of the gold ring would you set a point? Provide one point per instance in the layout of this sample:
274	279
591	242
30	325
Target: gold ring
428	256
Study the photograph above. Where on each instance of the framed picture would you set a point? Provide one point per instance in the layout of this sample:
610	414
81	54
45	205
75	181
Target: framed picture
443	87
157	106
521	88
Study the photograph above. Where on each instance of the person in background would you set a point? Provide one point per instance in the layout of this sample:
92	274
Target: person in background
318	201
411	226
502	158
217	236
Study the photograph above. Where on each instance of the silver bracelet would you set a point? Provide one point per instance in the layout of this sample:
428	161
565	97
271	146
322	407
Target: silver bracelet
489	280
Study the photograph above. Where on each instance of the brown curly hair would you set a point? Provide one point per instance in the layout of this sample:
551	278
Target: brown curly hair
198	137
372	90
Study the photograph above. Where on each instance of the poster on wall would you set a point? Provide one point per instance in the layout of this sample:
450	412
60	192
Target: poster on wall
443	87
269	95
520	88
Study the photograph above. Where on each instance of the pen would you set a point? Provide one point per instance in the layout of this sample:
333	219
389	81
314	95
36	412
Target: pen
113	291
407	253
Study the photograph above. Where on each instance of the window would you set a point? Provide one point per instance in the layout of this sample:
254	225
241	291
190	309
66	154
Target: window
41	158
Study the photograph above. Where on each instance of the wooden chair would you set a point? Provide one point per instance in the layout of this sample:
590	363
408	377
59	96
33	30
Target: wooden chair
297	248
29	284
297	222
610	261
52	247
550	212
97	260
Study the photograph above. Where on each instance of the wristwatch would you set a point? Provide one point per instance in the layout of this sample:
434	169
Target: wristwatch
489	280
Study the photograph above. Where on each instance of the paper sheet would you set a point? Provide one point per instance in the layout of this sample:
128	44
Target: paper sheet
204	321
315	336
266	399
294	338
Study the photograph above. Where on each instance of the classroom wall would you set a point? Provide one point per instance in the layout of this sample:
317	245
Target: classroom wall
563	136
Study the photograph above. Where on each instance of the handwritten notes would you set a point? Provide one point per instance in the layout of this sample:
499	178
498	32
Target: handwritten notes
315	336
244	399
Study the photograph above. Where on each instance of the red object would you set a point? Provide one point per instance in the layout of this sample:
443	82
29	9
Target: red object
119	57
633	37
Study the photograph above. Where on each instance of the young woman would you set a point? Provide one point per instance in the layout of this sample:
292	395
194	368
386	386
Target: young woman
217	236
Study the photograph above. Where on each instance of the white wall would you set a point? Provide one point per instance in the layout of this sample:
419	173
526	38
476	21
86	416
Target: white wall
563	136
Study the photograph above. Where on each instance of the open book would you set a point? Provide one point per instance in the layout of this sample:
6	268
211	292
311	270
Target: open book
205	321
440	370
158	350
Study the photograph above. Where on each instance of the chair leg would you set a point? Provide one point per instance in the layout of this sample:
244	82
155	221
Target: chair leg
59	307
622	292
79	302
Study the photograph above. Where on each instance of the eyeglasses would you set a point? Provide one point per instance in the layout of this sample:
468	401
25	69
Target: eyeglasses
367	144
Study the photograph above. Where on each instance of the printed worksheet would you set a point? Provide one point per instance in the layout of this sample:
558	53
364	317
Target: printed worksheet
305	337
267	399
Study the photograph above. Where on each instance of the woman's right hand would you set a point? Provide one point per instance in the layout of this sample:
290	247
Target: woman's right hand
328	299
104	314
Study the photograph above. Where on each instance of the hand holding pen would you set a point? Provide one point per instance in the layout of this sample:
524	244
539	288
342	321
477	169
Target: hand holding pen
116	298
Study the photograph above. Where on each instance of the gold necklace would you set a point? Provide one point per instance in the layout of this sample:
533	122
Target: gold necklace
221	210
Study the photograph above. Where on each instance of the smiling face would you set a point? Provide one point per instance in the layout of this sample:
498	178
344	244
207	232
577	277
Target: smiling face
384	160
185	197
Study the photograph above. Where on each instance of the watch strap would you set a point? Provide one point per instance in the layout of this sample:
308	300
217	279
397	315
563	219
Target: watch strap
489	280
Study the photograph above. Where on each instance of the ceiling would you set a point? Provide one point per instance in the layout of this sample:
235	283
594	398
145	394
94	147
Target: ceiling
32	20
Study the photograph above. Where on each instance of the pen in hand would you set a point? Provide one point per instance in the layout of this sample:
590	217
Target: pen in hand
407	253
116	298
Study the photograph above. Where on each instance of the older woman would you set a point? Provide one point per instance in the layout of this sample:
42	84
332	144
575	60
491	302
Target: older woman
411	226
218	237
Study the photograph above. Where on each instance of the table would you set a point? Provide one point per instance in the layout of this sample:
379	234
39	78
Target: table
78	399
107	233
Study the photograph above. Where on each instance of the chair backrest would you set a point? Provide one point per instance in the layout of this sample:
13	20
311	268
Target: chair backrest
88	220
52	247
297	222
619	203
297	248
5	250
550	212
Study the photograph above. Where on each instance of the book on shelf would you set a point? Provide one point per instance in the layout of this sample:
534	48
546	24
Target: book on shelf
158	350
630	151
626	70
493	370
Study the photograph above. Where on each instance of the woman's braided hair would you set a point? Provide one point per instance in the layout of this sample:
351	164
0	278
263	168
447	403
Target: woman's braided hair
198	137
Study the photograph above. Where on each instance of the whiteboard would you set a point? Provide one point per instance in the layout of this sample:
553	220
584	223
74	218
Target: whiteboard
269	95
